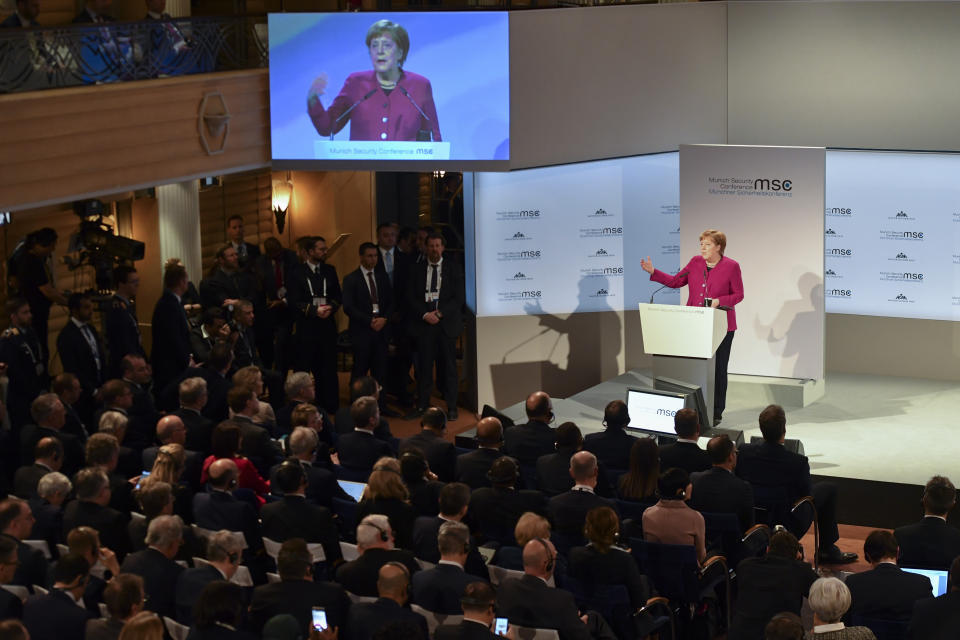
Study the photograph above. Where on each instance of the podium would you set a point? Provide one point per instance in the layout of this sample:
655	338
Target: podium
683	341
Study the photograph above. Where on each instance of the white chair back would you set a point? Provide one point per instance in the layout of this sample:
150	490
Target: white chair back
176	630
434	620
355	599
40	591
273	578
349	551
424	565
41	545
528	633
18	590
499	574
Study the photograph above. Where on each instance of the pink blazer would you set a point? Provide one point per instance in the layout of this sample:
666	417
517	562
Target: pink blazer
723	282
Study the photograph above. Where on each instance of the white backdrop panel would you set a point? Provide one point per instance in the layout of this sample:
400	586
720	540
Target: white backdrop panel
775	232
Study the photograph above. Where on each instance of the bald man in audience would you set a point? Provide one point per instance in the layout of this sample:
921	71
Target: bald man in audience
47	457
527	442
219	509
172	430
472	468
393	589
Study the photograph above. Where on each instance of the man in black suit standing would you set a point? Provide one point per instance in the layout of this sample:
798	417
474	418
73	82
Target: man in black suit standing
314	294
441	455
439	589
368	301
224	551
395	266
685	453
477	601
931	543
90	509
171	352
393	587
472	468
568	510
57	614
16	523
121	325
143	413
25	15
885	591
193	397
156	564
47	458
22	351
718	490
247	252
275	326
612	446
939	618
435	299
527	442
219	509
360	449
498	507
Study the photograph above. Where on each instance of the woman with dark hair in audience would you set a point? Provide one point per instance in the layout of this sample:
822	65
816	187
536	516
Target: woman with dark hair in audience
639	484
671	521
218	613
225	443
422	483
168	467
602	562
386	494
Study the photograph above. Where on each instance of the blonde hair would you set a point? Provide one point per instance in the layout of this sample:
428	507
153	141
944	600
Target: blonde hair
530	526
719	238
146	625
386	482
247	377
168	466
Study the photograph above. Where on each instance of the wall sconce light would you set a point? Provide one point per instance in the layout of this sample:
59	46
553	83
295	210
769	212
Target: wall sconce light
282	191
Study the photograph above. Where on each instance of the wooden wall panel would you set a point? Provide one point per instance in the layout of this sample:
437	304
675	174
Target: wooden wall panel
86	141
247	194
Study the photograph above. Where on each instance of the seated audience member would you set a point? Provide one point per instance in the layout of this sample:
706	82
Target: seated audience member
498	507
784	626
299	389
685	453
47	457
297	593
193	398
718	490
143	626
671	521
255	442
477	601
529	526
224	550
155	499
129	461
16	523
360	449
311	417
220	509
375	545
885	591
10	605
939	618
439	589
49	418
527	442
218	613
68	389
779	581
421	482
829	598
85	542
172	430
770	464
386	494
169	467
293	517
213	328
362	386
47	509
124	598
931	543
60	614
441	455
251	378
156	565
454	501
103	452
393	587
601	562
25	15
553	469
322	484
612	446
226	444
115	395
639	483
568	510
472	468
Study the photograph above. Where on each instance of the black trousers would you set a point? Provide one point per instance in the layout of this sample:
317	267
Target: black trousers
722	358
433	346
318	355
370	354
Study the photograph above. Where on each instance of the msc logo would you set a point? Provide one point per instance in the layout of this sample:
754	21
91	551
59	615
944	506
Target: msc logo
901	256
840	252
916	235
602	292
666	412
839	293
611	231
913	276
519	234
901	214
900	296
829	272
766	184
530	213
840	211
529	294
530	254
519	275
601	252
830	232
612	270
600	212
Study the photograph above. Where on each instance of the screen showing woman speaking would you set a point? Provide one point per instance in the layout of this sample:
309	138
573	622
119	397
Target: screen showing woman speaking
386	88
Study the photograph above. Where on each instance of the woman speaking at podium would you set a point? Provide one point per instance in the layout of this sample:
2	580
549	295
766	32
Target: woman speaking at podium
714	281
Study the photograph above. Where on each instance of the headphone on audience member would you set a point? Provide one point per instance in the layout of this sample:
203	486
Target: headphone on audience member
550	560
384	535
232	556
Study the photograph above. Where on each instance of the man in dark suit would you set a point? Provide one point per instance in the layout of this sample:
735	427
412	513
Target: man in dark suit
472	468
568	510
435	299
498	507
215	374
364	386
314	294
453	503
123	597
171	332
297	593
90	509
211	329
193	397
22	351
156	565
136	374
612	446
529	602
122	327
57	614
49	417
439	589
393	585
718	490
47	508
219	509
685	453
368	302
477	601
16	523
553	469
171	430
376	547
256	443
47	457
247	252
294	517
441	455
769	464
82	352
224	552
68	389
396	266
322	484
228	283
275	326
527	442
25	15
360	449
931	543
939	618
94	11
10	605
885	591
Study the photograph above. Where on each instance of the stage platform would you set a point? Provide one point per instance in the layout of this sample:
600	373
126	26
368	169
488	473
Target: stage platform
879	438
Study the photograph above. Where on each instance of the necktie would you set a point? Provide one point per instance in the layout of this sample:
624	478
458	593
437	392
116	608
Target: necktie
88	335
388	264
373	288
433	278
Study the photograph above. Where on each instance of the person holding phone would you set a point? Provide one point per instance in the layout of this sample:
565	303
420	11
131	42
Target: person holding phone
479	617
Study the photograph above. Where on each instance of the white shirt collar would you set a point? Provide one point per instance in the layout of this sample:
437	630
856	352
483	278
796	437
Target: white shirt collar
582	487
76	601
158	16
451	563
77	323
930	515
824	628
687	440
370	431
439	262
367	272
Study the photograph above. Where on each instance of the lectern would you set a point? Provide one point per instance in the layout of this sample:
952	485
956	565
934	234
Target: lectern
683	341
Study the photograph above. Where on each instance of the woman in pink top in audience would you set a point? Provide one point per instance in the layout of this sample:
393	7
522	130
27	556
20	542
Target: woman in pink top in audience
671	521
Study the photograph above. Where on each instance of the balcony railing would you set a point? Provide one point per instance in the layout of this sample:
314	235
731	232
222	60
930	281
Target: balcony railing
47	58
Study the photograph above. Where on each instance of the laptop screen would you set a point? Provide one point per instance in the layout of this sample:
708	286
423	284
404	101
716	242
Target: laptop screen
937	577
355	489
653	410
